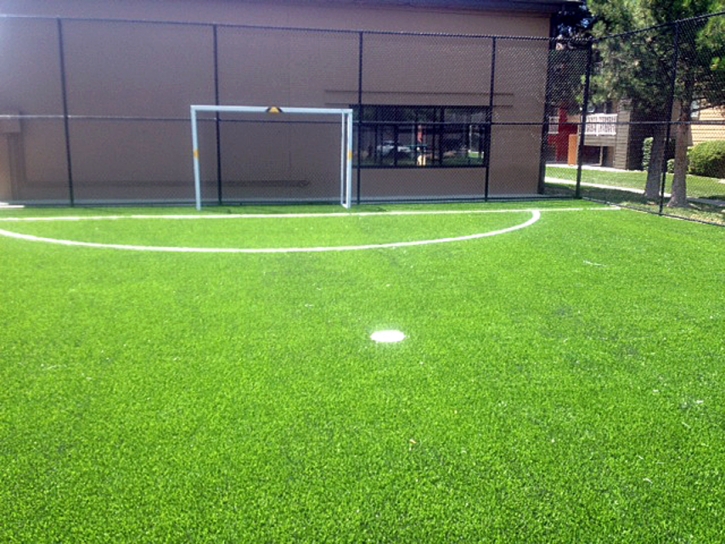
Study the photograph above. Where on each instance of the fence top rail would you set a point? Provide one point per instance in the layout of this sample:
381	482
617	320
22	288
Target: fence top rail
280	28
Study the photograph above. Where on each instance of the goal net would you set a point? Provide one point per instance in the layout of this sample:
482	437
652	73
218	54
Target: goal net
271	154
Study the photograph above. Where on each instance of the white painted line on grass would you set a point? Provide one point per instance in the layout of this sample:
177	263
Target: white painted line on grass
535	216
292	215
387	337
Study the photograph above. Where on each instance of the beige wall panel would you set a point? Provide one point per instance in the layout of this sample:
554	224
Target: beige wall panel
391	183
43	151
29	67
281	160
120	159
33	156
707	133
6	187
515	152
426	70
137	69
38	162
521	70
285	68
350	17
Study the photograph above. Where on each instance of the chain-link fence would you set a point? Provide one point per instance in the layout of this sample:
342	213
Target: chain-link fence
97	111
639	119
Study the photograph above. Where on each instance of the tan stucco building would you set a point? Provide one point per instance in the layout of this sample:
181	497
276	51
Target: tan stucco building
102	90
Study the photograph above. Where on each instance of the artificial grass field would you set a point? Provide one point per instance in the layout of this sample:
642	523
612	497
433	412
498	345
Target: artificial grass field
559	383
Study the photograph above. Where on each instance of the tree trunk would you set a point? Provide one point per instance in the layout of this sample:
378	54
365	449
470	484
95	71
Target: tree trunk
656	158
682	140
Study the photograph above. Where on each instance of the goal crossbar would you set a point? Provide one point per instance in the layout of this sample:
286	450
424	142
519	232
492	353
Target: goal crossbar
346	135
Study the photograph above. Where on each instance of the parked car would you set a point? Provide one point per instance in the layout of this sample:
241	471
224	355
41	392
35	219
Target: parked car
387	147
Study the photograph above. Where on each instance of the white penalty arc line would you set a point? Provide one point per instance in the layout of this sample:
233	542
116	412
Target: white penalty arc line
535	216
197	217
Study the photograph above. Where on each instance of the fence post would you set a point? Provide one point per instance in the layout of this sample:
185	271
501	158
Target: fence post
583	126
489	117
66	121
670	105
361	37
217	121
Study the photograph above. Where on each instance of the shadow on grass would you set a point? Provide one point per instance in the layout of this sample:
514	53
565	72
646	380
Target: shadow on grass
699	209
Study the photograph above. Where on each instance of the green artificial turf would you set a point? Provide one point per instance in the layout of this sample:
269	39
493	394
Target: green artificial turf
560	383
285	231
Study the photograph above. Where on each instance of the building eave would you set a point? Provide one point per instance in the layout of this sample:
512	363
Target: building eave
522	6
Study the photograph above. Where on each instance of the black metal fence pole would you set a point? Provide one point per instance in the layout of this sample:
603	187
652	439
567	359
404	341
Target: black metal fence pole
361	44
489	118
217	121
583	126
670	105
66	121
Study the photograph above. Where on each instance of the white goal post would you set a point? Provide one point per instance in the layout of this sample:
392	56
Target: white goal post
346	155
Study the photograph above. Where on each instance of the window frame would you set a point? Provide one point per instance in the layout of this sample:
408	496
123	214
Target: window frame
431	135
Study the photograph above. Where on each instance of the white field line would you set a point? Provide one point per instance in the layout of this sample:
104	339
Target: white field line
293	215
598	186
535	216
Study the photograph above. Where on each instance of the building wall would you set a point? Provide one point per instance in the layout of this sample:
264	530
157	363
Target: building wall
301	14
622	148
117	70
709	132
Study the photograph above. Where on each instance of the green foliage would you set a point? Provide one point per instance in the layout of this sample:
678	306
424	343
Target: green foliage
643	66
667	11
708	159
631	68
701	44
155	397
647	152
616	16
567	70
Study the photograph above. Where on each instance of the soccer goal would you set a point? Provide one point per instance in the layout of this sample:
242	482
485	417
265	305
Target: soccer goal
345	116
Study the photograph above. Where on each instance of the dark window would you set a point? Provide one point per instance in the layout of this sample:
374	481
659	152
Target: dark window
423	136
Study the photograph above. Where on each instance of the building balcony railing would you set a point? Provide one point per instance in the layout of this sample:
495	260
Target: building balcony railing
601	124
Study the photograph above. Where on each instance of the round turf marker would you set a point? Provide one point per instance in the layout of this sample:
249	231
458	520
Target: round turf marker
387	337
